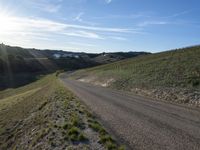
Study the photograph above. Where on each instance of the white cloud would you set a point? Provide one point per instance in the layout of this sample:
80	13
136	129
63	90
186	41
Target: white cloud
38	32
118	38
51	6
108	1
132	16
84	34
23	25
147	23
78	17
104	29
177	14
17	24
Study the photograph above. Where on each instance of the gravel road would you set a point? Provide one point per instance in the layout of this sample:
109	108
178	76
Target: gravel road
141	123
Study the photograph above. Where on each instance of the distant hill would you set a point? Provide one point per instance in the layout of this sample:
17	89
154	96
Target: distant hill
172	75
106	58
19	65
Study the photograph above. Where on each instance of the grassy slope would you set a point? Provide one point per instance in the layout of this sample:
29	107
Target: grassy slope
172	69
44	115
20	66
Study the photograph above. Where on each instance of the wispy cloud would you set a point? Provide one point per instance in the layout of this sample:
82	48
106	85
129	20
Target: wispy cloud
139	15
108	1
172	19
79	17
38	24
163	20
147	23
177	14
51	6
118	38
84	34
103	29
44	30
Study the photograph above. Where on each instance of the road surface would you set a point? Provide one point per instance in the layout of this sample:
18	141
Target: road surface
140	123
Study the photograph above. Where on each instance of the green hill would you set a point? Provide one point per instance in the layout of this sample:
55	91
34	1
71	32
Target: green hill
172	75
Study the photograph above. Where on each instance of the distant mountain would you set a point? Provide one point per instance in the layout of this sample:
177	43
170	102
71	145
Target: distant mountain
23	63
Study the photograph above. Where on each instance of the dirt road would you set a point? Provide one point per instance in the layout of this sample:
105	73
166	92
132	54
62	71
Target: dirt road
140	123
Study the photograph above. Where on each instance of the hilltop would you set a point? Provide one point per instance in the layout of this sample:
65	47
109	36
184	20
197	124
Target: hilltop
172	75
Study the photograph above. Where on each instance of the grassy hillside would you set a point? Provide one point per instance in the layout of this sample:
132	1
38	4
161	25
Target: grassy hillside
19	66
176	69
44	115
20	60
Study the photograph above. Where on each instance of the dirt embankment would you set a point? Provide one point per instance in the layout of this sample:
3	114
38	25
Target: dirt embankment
177	95
182	96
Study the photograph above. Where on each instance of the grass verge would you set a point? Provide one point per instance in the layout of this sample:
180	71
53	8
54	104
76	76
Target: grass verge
45	115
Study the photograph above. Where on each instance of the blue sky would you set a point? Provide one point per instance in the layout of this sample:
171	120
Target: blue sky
100	25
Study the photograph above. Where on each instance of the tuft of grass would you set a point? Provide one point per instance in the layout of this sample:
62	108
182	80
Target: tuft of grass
97	127
75	120
82	137
73	131
75	135
111	146
108	141
105	138
122	147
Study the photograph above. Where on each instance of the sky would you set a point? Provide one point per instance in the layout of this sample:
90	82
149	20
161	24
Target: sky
100	25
